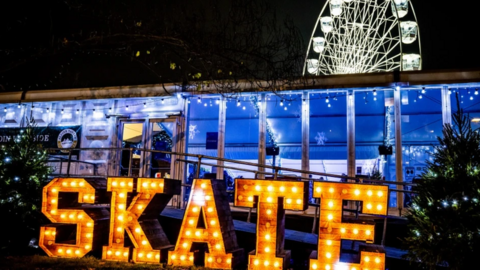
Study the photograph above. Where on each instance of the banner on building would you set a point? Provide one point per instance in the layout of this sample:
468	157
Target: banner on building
65	137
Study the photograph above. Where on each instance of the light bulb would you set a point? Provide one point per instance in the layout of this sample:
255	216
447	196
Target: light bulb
163	101
423	90
281	102
238	103
199	100
374	92
327	100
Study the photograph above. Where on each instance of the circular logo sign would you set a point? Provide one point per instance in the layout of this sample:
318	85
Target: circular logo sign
67	139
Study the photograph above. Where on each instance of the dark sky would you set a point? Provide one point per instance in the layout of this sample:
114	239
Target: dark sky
450	33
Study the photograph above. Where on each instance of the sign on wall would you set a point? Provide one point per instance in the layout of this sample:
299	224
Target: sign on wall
49	137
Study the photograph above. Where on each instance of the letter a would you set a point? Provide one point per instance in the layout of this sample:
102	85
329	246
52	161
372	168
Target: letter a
209	198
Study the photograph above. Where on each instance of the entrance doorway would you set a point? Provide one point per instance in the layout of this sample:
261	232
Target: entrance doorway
161	133
132	136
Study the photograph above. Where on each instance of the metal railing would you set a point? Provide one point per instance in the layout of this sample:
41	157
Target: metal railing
199	160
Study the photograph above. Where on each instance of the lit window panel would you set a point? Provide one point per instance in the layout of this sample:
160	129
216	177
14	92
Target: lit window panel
271	198
85	224
332	230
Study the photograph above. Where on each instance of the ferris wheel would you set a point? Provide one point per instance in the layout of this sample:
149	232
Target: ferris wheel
364	36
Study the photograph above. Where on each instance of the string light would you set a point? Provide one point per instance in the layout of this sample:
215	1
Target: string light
199	100
48	110
62	111
423	90
327	100
5	109
126	107
77	112
476	91
238	102
19	104
163	101
374	93
281	102
144	104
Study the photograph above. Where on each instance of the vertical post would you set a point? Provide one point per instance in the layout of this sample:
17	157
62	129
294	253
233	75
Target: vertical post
351	134
262	130
398	146
69	162
446	106
183	173
222	119
130	162
199	164
305	134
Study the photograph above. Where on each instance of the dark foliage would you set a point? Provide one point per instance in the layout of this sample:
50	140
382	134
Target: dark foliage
445	216
23	173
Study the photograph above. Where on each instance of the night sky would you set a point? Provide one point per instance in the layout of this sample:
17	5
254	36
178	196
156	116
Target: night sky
449	36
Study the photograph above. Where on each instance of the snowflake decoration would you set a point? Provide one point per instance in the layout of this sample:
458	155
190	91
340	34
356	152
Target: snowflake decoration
192	130
321	138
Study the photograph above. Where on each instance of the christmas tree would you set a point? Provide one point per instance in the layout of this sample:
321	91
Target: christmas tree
444	221
23	173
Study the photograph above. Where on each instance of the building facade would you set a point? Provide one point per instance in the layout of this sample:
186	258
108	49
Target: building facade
331	125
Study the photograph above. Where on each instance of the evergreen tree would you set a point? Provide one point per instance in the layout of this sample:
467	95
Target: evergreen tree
23	173
444	221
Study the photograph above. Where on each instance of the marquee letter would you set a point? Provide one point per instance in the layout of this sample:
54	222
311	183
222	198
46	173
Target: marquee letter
84	238
209	198
271	199
123	218
332	230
